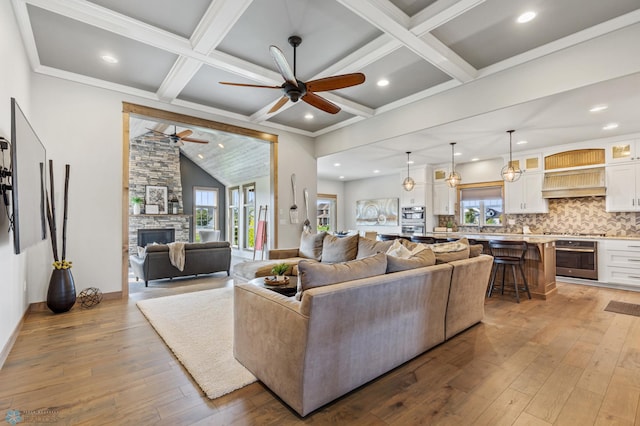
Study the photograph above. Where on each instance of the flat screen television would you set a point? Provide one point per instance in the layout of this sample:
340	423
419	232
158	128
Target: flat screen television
28	164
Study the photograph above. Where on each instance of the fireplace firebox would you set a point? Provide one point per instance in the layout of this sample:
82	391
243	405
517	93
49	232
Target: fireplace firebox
159	236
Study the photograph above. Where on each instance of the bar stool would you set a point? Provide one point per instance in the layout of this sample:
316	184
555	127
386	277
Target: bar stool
508	253
422	239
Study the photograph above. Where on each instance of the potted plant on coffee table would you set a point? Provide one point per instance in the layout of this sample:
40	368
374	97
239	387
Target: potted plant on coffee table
278	270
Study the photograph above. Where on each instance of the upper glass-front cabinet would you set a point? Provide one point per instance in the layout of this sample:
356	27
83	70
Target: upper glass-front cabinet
618	152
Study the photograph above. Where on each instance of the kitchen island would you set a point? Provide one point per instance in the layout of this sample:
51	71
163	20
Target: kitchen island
540	259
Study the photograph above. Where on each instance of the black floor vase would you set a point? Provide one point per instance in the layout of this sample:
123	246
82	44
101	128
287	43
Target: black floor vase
62	291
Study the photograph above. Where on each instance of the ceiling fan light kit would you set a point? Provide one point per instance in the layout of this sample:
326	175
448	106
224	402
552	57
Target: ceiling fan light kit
454	177
509	172
408	183
294	89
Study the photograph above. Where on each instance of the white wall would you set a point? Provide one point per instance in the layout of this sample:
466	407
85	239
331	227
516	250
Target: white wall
363	189
336	188
14	82
481	171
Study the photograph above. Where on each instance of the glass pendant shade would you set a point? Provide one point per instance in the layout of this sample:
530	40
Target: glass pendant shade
510	173
454	177
408	183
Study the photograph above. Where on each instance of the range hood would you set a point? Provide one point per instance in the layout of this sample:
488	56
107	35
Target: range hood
574	183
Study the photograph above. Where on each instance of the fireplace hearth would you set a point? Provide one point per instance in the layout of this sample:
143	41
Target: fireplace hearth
156	235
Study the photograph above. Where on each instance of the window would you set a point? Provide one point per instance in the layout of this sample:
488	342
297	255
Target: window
326	205
481	205
249	214
234	216
205	207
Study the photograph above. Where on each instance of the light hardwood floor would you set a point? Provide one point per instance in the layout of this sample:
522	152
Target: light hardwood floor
560	361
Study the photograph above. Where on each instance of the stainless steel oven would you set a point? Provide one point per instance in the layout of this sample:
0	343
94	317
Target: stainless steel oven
577	259
413	220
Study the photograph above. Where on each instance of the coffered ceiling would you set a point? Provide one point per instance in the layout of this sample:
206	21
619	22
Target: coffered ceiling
177	52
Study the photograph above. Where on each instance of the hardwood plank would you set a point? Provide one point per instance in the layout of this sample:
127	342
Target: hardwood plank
581	408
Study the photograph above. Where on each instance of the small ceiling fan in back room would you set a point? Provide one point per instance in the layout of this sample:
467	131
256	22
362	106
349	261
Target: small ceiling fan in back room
295	89
176	139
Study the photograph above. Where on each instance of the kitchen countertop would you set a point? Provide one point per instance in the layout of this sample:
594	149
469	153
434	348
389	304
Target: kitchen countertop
498	235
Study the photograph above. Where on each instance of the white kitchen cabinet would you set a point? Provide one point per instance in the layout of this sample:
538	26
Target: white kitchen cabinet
415	197
623	152
525	195
623	187
444	199
621	262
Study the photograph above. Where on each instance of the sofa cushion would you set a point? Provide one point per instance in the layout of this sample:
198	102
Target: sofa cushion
315	274
311	245
423	258
450	251
367	247
339	249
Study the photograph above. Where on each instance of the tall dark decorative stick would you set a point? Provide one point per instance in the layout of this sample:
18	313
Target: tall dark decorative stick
66	209
52	230
52	216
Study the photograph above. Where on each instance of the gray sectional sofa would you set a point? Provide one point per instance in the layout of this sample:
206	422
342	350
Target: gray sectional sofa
200	258
354	321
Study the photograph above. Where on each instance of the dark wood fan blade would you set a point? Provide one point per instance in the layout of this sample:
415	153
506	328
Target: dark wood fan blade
249	85
283	100
194	140
335	82
183	134
320	103
283	65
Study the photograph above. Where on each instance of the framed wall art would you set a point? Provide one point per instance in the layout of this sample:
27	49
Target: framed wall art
379	212
156	196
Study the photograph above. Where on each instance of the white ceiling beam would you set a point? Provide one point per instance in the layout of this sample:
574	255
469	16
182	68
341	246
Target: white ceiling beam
212	28
439	13
437	54
24	24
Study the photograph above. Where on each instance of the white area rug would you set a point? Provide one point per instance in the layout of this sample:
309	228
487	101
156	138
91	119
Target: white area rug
198	328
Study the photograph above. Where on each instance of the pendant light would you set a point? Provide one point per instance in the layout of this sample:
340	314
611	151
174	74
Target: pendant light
408	183
509	172
454	178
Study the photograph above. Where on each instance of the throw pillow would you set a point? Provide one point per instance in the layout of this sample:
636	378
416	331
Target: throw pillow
476	250
339	249
311	245
424	257
454	250
397	249
367	247
315	274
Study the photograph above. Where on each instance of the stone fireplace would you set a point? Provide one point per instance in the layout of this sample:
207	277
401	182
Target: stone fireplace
155	163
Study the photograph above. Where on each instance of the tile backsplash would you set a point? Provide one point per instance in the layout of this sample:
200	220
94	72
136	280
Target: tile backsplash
567	215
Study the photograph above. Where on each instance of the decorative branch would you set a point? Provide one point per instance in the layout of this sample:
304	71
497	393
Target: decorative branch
51	214
66	209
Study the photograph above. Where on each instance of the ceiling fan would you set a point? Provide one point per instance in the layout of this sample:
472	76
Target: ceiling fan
175	138
295	89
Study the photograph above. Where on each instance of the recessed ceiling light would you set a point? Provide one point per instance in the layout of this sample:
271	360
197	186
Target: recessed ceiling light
220	145
410	162
598	108
383	82
336	164
522	142
308	116
109	59
526	17
475	159
610	126
376	171
457	154
341	177
200	156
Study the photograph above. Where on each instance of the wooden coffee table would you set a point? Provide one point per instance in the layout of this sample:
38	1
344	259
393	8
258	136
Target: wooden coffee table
288	290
